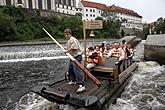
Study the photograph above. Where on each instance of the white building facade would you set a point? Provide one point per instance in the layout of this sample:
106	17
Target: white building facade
91	10
62	6
129	18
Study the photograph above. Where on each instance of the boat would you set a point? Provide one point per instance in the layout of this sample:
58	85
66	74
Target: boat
104	83
113	77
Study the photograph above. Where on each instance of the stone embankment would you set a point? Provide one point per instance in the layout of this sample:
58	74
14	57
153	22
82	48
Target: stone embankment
131	40
154	48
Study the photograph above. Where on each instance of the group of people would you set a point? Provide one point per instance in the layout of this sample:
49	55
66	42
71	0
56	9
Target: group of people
120	51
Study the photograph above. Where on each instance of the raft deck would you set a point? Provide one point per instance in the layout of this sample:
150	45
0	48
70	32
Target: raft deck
102	94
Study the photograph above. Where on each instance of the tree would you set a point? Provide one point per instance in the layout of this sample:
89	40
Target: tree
7	27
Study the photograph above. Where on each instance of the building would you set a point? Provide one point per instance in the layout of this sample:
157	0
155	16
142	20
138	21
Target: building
91	10
62	6
129	18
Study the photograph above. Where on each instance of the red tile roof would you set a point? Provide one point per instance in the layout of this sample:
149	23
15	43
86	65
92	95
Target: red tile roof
94	5
114	8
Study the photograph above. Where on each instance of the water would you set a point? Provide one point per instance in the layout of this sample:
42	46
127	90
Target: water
35	51
145	91
18	77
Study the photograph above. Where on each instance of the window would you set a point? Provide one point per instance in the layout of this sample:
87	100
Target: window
40	4
20	1
64	1
90	10
48	4
93	10
30	4
87	15
90	15
69	2
93	15
86	10
8	2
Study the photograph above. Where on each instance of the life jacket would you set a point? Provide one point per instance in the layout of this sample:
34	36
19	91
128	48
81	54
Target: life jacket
116	53
95	59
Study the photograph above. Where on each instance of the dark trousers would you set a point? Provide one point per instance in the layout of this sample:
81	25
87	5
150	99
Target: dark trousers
74	72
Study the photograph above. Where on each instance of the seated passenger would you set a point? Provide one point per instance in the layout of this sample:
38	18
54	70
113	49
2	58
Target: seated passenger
117	52
90	51
97	49
125	48
130	50
107	49
93	59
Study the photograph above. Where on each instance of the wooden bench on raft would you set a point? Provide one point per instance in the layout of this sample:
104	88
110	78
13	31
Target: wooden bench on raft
108	69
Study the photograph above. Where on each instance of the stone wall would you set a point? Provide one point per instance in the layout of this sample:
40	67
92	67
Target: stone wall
45	13
154	48
131	40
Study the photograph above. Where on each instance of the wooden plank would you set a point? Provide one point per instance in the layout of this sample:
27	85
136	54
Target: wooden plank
107	90
106	85
103	69
127	71
112	98
95	88
114	88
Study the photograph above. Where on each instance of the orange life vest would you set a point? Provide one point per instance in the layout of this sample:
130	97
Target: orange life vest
95	60
116	53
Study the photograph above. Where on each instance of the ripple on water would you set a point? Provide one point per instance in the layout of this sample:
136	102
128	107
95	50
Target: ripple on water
145	90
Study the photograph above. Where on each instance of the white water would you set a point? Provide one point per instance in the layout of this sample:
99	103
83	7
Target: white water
33	59
145	91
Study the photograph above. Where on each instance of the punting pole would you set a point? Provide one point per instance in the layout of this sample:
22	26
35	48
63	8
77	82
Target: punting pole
94	79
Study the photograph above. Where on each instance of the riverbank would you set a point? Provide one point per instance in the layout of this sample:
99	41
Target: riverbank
62	41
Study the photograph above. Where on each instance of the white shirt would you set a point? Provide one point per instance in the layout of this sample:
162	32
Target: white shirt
73	43
122	55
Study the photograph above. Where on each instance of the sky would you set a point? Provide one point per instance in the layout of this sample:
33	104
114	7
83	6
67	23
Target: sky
150	10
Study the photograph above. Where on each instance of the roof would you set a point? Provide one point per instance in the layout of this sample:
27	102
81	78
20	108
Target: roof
94	5
123	10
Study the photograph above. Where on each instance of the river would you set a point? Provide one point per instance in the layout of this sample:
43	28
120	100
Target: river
24	67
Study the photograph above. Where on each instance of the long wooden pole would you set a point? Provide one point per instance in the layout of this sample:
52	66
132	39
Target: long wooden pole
94	79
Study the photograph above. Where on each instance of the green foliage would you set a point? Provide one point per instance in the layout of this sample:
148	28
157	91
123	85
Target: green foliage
145	30
160	26
18	24
157	27
7	27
